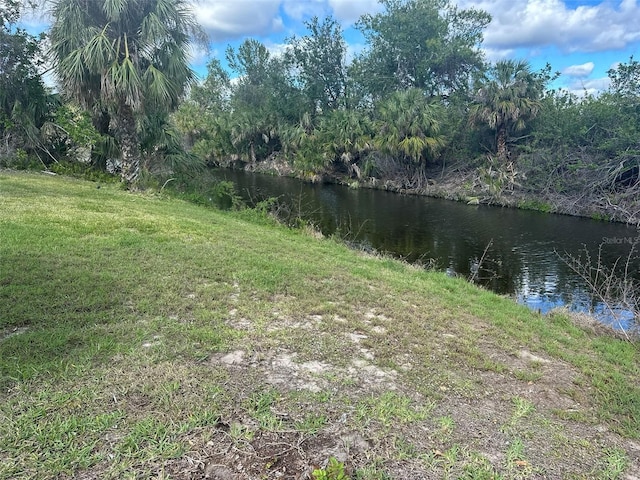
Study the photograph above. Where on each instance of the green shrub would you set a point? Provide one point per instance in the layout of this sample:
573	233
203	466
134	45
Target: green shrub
20	160
333	471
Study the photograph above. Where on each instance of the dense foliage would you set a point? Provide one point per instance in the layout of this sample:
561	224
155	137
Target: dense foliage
418	107
24	100
127	63
427	44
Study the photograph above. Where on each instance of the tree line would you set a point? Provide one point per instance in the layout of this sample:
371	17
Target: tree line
418	107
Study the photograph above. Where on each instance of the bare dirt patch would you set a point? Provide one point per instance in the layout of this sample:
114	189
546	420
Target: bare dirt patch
288	455
11	332
478	421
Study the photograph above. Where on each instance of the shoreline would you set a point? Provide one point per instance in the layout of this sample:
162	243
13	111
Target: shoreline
458	186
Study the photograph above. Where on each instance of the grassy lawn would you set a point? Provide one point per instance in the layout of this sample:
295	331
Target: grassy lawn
145	337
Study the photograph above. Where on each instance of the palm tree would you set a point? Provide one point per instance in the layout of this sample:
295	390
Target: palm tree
506	100
345	135
254	134
408	126
123	57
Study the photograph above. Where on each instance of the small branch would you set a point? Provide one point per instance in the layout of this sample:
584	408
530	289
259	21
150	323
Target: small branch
165	184
474	275
610	289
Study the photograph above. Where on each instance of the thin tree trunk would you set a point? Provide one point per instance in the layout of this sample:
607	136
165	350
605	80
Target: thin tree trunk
127	136
503	152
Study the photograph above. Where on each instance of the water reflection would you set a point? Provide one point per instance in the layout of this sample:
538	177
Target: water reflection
509	251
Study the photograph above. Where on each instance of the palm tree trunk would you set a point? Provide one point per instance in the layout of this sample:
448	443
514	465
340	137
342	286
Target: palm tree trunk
127	136
503	152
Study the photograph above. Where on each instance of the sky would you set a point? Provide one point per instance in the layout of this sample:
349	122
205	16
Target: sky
581	39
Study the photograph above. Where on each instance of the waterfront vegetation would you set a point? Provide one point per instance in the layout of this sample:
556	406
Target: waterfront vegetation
422	112
147	337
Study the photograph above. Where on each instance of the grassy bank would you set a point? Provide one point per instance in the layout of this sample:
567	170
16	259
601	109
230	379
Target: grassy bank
145	337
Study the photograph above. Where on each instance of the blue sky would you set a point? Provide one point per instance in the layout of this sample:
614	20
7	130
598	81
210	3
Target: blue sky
582	39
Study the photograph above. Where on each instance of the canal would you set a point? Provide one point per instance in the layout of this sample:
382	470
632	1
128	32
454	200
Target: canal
515	252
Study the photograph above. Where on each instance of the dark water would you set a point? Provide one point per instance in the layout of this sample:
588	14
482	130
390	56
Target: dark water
518	252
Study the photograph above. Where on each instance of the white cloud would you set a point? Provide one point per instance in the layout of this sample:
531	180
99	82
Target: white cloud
492	55
348	11
579	71
539	23
588	87
231	19
302	10
614	65
345	11
199	56
276	49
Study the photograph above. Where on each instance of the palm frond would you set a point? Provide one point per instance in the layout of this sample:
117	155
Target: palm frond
114	9
161	89
99	51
